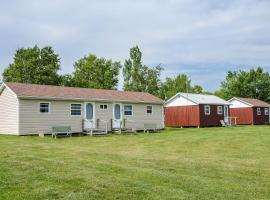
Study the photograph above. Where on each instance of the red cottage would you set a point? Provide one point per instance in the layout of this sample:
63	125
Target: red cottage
185	109
249	111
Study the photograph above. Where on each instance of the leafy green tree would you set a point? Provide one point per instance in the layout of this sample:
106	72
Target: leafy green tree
197	89
254	83
152	78
220	93
139	77
34	65
181	83
93	72
67	80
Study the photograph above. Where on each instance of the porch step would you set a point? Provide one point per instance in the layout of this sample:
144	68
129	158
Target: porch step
122	130
95	132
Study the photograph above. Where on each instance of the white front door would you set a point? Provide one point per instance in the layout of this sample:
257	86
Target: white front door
226	114
89	115
117	115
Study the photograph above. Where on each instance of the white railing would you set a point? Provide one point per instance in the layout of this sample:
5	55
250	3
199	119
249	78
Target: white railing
93	124
106	125
90	121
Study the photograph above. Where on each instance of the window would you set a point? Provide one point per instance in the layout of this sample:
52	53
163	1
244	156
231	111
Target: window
44	107
128	110
75	109
259	111
149	109
220	110
207	110
266	111
103	107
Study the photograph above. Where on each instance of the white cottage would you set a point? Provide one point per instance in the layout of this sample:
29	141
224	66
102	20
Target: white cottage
27	109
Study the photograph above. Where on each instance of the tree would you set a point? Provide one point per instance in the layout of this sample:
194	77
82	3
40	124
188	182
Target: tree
93	72
67	80
139	77
152	78
254	83
197	89
34	65
181	83
220	93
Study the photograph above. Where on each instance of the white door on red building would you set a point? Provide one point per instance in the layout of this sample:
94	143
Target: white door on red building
226	114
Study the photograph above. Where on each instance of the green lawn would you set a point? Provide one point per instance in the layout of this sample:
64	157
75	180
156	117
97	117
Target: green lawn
191	163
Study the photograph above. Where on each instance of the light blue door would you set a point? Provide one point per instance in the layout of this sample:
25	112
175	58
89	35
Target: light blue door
89	121
117	115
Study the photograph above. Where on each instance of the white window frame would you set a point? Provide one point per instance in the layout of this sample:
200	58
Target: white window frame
266	111
220	110
207	106
151	109
103	106
71	110
259	112
128	110
49	111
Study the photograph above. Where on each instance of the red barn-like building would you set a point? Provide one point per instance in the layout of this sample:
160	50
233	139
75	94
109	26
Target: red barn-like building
249	111
185	109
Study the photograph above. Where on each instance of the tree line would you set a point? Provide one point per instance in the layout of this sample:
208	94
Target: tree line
42	66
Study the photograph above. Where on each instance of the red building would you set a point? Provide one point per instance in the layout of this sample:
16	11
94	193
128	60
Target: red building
184	110
249	111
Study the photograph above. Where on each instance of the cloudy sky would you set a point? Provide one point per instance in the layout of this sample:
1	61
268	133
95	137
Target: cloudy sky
203	39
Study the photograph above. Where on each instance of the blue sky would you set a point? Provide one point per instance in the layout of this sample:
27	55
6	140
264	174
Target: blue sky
203	39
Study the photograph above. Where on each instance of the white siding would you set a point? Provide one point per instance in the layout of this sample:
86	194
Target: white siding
104	115
8	112
33	122
238	104
140	117
180	101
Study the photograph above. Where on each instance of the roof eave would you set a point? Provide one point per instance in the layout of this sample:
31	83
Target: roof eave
244	102
225	104
88	99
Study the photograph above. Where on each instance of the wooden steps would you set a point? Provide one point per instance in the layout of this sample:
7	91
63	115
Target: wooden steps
123	130
95	132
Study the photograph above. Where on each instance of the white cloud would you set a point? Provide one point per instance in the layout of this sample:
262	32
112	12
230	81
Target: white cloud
191	36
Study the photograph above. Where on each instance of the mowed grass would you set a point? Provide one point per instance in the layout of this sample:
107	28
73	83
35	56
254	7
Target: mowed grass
192	163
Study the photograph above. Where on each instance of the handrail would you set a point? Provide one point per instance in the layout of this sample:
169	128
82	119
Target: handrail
91	128
106	123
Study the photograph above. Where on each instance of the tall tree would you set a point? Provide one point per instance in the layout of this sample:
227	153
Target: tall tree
152	80
254	83
34	65
197	89
181	83
93	72
67	80
139	77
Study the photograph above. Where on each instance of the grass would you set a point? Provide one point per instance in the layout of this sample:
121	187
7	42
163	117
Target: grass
206	163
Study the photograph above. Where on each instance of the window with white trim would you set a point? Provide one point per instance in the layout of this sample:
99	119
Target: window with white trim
75	109
266	111
44	107
128	110
220	110
207	110
149	109
259	111
103	106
